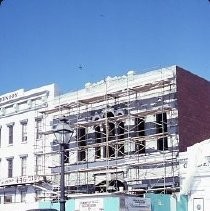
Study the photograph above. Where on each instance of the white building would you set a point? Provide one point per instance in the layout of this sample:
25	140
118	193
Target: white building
195	176
21	125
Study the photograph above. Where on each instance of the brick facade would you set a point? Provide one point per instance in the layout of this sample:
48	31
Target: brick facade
193	94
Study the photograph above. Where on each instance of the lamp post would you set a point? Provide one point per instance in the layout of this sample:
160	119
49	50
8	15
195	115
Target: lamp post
63	133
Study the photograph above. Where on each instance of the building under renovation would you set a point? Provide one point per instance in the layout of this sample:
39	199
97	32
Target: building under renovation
128	132
128	135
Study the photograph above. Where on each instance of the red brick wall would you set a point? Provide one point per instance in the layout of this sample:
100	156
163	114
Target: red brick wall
193	95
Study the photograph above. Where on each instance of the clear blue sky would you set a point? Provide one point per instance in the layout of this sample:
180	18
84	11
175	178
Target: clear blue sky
46	41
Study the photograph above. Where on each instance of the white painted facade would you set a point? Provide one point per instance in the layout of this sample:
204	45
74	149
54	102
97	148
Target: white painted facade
20	127
93	97
195	176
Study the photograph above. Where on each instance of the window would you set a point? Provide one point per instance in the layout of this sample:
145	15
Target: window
24	131
23	195
7	199
10	167
38	128
38	193
66	153
161	127
81	134
23	165
109	134
97	141
39	165
120	131
10	127
140	132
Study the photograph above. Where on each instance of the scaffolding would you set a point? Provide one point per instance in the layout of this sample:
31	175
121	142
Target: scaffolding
125	137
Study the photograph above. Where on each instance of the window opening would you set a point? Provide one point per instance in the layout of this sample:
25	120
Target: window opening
121	136
7	199
10	127
24	131
140	132
38	128
81	134
39	165
10	167
66	153
97	141
23	165
111	136
23	195
161	127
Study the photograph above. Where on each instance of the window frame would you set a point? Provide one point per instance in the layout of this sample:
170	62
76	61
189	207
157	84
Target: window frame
23	165
23	194
10	165
24	125
39	128
11	133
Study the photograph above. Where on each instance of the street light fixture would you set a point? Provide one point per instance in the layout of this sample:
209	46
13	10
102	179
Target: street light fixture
63	133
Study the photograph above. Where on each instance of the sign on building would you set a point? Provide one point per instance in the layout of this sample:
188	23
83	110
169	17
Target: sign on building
135	204
89	204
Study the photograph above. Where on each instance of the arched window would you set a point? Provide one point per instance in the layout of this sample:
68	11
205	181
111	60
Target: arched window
97	140
111	126
121	136
109	135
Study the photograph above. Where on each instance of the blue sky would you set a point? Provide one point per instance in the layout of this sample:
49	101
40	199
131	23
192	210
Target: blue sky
72	42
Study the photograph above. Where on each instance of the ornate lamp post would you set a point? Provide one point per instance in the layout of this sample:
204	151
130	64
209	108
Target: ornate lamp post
63	133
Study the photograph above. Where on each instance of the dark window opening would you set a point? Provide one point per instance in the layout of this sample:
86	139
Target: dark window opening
81	134
140	126
66	153
120	146
109	150
161	127
10	134
110	126
7	199
140	147
140	132
10	167
97	141
162	144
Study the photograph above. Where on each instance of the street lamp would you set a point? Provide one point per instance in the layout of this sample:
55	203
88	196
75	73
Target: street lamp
63	133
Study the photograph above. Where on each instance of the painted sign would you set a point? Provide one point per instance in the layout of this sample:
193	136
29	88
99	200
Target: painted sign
21	180
89	204
137	204
11	96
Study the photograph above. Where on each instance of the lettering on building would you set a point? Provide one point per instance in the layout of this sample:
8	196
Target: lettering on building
11	96
21	180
